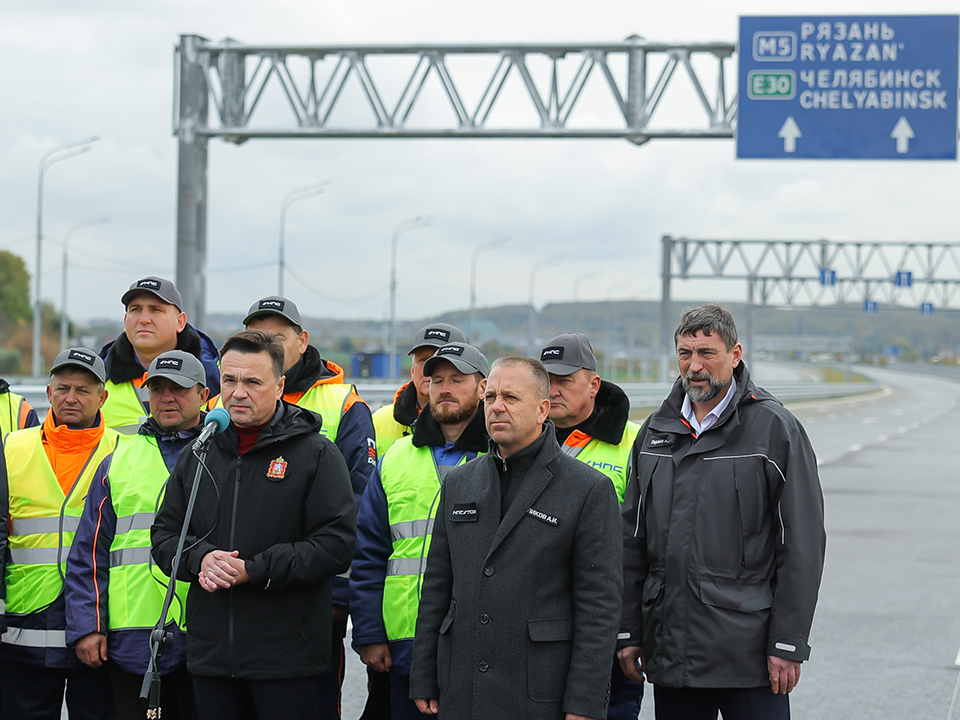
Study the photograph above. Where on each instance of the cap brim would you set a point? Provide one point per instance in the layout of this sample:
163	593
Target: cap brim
561	368
130	294
77	364
426	343
267	313
461	365
181	380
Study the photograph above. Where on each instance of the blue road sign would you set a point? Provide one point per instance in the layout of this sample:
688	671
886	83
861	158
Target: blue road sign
857	87
828	278
870	307
904	278
926	308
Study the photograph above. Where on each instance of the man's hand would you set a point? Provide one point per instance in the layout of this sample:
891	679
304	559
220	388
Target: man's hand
377	657
92	649
784	674
632	662
571	716
220	569
428	707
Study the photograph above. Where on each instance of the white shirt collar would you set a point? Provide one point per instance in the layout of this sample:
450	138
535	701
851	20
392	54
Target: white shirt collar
710	419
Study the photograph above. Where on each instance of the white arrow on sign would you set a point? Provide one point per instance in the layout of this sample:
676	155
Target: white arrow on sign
902	132
790	132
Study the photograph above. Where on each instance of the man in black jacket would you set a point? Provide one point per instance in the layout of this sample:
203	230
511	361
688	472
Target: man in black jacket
273	523
520	596
723	538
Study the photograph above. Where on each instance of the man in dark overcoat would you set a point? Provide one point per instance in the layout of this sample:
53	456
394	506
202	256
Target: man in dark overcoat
518	613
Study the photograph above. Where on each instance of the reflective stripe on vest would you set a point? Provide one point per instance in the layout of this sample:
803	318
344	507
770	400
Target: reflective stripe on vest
612	460
138	475
123	411
411	529
42	519
328	400
30	526
35	638
411	483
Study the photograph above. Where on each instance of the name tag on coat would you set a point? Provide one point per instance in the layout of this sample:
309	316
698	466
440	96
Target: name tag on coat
544	517
464	512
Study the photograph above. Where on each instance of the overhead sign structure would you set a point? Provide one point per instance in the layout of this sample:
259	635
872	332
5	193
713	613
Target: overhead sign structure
853	87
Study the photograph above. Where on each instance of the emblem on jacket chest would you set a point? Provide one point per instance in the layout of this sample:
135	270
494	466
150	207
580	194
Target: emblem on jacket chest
277	469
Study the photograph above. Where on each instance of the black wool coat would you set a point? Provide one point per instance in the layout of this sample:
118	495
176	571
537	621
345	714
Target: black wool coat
518	618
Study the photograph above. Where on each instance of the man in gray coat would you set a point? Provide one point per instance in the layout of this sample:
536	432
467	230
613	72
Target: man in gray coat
723	538
523	580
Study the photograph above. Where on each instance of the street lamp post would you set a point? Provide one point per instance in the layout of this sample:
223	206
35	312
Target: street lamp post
63	278
295	195
608	361
405	226
533	313
482	248
576	283
54	155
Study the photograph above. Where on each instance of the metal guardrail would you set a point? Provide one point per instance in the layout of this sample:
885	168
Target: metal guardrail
641	395
652	394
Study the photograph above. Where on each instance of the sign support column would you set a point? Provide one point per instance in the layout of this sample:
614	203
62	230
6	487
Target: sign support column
192	181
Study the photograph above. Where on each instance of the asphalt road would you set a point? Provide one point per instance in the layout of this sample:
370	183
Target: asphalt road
887	628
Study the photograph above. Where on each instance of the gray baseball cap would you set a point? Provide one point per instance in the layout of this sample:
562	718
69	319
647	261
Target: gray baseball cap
163	289
83	358
274	305
567	353
437	335
465	358
181	367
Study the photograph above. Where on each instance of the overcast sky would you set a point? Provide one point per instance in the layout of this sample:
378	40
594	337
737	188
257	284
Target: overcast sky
104	67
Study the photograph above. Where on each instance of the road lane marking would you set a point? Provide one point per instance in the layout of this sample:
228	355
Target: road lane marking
854	448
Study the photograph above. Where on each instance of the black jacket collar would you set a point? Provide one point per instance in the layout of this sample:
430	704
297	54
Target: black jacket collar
609	418
307	370
151	428
288	420
406	406
427	432
121	360
669	417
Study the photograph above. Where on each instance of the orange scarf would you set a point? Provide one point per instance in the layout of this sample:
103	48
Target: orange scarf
68	449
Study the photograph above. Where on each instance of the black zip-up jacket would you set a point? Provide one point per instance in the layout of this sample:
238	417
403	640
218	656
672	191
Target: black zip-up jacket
723	542
287	506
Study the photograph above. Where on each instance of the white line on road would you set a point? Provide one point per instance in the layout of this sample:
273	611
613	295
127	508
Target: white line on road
869	420
854	448
883	438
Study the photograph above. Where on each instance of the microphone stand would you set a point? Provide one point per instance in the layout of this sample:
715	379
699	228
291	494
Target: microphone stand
161	639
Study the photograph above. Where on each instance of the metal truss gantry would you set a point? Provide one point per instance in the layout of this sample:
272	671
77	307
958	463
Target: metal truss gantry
236	92
786	273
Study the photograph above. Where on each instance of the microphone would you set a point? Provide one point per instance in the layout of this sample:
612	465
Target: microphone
217	421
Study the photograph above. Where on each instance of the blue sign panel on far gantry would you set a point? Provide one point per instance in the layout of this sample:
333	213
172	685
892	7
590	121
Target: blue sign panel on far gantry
848	87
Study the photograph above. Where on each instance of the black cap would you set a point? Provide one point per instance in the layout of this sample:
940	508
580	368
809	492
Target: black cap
163	289
83	358
567	353
437	335
465	358
274	305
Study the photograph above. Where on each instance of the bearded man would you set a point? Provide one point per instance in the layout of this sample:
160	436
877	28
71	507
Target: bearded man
395	522
723	538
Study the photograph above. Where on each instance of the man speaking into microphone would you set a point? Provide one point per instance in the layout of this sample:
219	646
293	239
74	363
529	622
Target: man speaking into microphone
274	522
